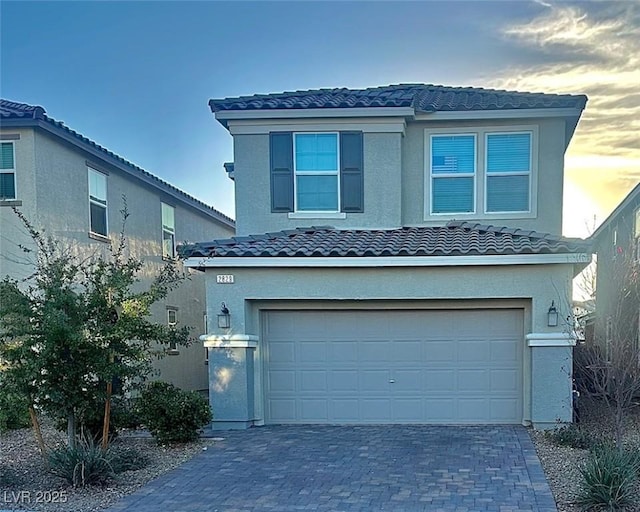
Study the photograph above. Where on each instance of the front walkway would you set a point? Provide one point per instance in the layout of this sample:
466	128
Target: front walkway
364	468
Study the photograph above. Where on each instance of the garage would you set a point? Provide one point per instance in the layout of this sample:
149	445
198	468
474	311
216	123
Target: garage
393	366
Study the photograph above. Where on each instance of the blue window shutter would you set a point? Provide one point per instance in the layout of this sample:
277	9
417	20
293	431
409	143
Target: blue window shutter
281	156
508	172
351	172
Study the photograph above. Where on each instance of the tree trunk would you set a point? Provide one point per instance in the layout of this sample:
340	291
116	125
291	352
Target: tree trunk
71	429
107	417
38	433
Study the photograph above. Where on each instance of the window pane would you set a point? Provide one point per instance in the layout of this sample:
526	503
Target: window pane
168	217
453	154
98	219
317	193
168	247
317	152
452	195
508	193
7	185
6	155
510	152
97	186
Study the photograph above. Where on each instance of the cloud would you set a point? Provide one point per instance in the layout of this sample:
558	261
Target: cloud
592	48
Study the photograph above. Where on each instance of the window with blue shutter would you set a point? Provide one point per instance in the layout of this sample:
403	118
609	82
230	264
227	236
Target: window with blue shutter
508	169
7	171
453	171
317	172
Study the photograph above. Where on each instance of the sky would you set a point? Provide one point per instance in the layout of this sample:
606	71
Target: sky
136	77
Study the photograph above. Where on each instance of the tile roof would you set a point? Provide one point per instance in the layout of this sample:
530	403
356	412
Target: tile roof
421	97
454	239
17	113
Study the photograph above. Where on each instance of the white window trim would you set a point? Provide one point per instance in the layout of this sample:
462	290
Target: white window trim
480	191
105	205
172	231
315	213
453	175
487	173
11	171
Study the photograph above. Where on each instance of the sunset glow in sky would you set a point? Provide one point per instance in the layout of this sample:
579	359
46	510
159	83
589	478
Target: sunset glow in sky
136	76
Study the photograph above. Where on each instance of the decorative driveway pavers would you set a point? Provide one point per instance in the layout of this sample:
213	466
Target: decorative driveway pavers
349	468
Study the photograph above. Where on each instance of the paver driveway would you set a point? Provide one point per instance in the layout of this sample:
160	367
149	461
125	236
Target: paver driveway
366	468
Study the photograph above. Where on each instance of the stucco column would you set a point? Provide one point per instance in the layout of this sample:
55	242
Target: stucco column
231	379
551	378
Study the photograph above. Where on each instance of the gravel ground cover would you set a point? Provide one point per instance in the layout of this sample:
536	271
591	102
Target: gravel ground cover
561	464
26	485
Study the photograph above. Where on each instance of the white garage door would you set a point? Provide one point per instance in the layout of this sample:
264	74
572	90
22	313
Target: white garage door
434	366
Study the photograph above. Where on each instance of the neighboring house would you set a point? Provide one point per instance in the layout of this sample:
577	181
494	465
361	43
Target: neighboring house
73	188
617	244
431	298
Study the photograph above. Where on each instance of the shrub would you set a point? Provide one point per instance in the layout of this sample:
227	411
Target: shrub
572	436
609	477
171	414
127	459
85	464
14	411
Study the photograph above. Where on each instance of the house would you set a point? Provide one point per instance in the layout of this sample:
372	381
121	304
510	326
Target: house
617	245
73	189
398	259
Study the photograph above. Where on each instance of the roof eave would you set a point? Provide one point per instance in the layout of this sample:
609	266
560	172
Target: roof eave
224	116
387	261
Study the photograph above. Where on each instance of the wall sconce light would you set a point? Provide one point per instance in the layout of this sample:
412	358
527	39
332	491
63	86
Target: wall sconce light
552	315
224	318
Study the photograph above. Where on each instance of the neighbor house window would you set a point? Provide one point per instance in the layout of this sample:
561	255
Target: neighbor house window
168	231
453	173
206	350
98	202
7	171
172	321
636	234
316	169
508	170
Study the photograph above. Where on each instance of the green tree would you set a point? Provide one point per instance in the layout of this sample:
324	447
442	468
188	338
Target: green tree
77	325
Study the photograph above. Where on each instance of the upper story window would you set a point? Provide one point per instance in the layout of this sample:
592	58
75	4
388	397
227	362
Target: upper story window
168	231
319	173
453	173
7	171
487	172
508	166
98	203
636	234
316	184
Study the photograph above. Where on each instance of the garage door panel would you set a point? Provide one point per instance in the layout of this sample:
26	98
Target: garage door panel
313	410
440	380
407	381
473	381
343	352
282	381
313	381
345	411
282	352
504	380
440	410
374	381
375	410
282	411
455	366
439	350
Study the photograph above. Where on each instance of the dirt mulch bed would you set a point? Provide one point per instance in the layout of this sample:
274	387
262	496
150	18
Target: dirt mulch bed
561	464
25	484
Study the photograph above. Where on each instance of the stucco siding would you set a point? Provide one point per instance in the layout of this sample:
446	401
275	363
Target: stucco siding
547	181
382	199
530	288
